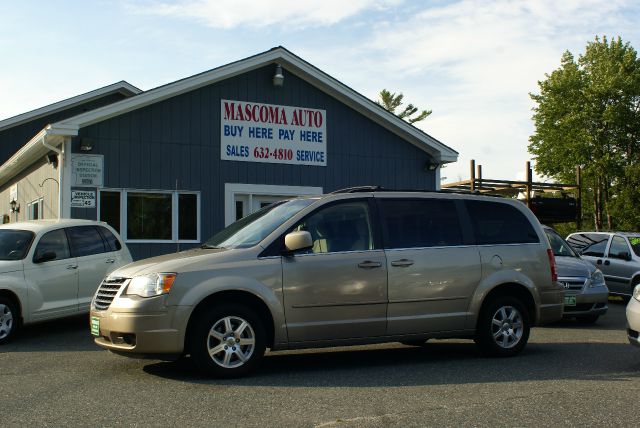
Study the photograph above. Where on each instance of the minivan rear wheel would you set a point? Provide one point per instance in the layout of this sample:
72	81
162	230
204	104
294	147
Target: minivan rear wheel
503	327
8	319
227	341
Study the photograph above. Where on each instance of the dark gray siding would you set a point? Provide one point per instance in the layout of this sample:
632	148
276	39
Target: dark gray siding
12	139
176	143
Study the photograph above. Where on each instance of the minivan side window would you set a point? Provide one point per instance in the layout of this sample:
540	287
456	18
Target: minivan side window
589	244
85	241
418	223
340	227
54	241
498	223
618	247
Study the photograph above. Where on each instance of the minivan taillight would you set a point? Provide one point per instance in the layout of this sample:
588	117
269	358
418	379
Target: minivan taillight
552	263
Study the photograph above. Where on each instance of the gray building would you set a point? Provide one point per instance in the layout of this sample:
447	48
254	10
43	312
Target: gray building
171	166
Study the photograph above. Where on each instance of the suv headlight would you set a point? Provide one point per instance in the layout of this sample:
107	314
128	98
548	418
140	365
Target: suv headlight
636	292
151	285
597	279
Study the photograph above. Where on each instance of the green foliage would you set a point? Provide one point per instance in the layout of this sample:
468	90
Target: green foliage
391	101
588	115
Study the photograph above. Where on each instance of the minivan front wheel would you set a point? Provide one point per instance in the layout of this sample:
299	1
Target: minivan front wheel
227	341
503	327
8	319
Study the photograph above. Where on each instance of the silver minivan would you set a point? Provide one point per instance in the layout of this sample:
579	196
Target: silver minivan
352	267
616	254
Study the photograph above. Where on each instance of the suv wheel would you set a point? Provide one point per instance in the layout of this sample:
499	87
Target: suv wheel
8	319
503	327
227	341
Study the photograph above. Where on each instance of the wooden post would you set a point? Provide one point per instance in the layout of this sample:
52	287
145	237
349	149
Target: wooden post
479	177
472	181
528	186
579	199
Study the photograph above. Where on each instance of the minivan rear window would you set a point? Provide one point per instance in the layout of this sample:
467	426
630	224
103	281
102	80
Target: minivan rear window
499	223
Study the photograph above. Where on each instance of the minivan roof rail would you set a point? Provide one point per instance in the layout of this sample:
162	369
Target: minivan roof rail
358	189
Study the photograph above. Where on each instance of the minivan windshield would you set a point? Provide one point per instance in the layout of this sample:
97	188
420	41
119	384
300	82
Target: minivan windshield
14	244
250	230
559	245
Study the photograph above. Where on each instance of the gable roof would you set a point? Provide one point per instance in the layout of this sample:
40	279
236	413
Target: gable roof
121	87
55	133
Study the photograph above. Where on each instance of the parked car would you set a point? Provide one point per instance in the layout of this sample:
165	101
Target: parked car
616	254
51	269
585	292
352	267
633	317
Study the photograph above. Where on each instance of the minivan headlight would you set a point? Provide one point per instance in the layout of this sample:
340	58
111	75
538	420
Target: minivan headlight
636	292
597	279
151	285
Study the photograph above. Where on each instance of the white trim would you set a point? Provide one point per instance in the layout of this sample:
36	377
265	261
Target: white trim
438	184
119	87
174	214
40	202
232	189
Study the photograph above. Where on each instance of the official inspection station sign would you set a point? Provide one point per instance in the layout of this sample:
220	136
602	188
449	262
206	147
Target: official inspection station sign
83	199
87	170
254	132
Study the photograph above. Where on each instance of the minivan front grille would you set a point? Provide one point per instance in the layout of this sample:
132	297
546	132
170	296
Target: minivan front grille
107	292
572	283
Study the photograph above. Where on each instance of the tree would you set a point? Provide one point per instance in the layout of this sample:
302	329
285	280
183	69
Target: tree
391	101
588	115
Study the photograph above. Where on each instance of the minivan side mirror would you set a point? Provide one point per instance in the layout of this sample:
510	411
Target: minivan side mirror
45	257
300	240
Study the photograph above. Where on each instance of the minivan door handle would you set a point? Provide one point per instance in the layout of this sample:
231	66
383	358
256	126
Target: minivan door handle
598	262
402	263
368	264
607	262
110	261
72	267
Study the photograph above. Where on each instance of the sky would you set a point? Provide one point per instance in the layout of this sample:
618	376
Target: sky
473	62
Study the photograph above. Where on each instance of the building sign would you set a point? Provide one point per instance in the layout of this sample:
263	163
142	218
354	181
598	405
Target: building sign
254	132
87	170
83	199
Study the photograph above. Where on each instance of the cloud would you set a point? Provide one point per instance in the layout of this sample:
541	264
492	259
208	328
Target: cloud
263	13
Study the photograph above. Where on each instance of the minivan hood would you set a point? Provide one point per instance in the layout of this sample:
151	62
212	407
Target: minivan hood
574	267
172	262
7	266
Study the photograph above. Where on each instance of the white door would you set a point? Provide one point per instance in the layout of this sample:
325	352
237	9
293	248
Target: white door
52	278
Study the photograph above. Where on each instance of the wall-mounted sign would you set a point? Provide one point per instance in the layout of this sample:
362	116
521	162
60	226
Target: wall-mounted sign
83	199
87	170
254	132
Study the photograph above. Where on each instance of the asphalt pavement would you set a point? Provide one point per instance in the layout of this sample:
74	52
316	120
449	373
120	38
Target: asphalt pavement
569	375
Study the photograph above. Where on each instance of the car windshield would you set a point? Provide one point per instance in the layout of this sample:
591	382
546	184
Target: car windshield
250	230
635	244
559	246
14	244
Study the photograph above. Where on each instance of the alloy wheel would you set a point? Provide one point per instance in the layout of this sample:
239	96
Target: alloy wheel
231	342
507	327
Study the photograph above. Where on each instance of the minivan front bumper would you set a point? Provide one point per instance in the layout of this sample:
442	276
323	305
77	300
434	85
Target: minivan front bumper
141	332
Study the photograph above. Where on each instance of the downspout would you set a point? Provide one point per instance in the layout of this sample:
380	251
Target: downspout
61	163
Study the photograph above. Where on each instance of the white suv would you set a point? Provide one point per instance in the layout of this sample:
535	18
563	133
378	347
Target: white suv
52	268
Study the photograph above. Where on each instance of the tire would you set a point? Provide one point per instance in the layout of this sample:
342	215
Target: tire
219	353
588	319
503	327
9	319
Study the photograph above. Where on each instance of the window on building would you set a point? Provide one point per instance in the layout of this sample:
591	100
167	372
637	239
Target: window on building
34	209
140	215
110	209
